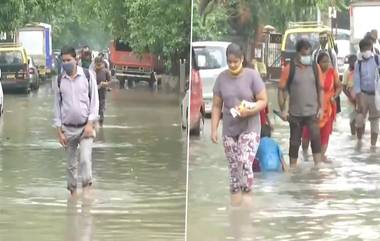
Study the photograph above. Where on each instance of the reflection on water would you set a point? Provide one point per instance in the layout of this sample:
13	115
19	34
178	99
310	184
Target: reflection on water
80	223
339	202
139	170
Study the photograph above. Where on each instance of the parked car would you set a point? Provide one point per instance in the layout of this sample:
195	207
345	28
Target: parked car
33	74
197	107
342	40
14	67
211	59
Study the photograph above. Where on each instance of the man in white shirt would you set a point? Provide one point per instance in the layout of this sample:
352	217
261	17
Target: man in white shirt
324	47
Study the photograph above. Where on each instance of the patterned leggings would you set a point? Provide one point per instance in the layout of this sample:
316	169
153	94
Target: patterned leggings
240	153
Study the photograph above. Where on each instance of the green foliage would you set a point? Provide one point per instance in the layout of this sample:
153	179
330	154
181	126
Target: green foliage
158	26
11	13
214	27
244	16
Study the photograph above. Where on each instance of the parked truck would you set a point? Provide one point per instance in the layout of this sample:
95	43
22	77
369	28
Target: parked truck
364	16
37	40
133	67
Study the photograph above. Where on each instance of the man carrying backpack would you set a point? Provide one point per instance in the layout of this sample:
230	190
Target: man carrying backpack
324	47
86	57
365	76
76	107
300	80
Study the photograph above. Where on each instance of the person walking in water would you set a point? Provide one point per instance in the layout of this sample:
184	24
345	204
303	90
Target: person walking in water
103	78
241	133
76	106
365	76
331	89
300	79
348	90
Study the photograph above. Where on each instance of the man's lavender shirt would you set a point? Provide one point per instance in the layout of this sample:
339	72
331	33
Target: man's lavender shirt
76	107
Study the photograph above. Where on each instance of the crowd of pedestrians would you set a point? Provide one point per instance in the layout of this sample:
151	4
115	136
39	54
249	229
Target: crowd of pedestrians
308	98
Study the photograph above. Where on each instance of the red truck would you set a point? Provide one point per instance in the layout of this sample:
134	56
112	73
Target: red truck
133	67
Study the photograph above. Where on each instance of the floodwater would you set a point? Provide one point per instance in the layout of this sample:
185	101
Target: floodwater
339	202
139	166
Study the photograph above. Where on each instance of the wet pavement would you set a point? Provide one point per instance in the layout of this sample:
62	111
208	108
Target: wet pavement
339	202
139	163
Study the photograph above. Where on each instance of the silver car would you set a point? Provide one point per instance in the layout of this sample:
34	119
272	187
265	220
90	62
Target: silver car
212	60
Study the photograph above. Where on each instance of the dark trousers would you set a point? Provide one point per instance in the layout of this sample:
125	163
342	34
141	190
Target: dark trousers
102	104
297	123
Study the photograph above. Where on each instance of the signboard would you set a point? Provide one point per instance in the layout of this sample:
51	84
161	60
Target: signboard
275	38
332	12
6	37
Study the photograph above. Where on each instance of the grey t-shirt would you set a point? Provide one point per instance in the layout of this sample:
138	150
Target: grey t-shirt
303	97
233	90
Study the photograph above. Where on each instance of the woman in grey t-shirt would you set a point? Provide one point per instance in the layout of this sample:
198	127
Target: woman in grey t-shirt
241	134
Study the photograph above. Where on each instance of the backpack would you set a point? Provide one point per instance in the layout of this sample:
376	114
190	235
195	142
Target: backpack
292	71
86	73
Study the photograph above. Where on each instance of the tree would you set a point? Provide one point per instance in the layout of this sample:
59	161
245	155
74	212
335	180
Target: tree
214	27
11	13
246	18
158	26
247	15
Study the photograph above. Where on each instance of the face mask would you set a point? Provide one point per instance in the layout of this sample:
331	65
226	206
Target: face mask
324	66
68	68
238	70
367	54
305	60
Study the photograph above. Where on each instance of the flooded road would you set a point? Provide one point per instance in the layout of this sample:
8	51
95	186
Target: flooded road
139	163
339	202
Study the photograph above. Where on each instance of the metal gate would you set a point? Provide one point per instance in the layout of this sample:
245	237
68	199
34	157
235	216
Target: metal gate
272	55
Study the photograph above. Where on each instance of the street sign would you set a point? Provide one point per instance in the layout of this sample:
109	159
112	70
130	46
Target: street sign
332	12
275	38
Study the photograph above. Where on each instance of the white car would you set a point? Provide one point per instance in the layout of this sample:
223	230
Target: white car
212	60
342	41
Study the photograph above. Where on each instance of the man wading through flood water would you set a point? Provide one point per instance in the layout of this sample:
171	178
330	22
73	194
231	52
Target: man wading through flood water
76	109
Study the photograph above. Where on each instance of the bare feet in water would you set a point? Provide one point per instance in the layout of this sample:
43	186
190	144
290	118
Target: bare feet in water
236	199
247	201
326	160
88	194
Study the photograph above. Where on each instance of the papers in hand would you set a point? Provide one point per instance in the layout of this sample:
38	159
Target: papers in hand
247	105
244	105
234	112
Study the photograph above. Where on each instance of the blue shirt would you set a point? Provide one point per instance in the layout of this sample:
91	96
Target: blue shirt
269	155
366	79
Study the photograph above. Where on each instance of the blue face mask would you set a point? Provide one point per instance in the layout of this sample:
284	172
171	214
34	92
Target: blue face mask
68	68
306	60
